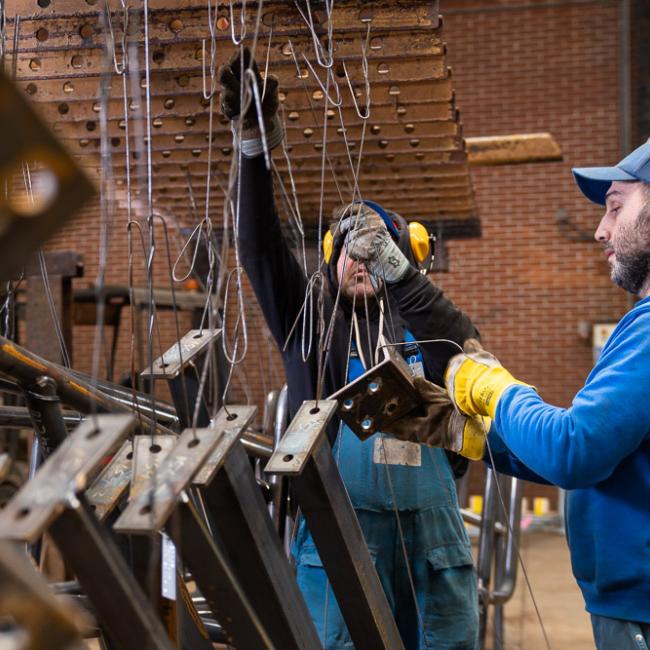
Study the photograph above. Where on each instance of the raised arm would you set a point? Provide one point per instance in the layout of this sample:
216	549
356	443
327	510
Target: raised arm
277	279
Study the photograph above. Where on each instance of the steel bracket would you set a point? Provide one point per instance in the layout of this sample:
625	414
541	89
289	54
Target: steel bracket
183	352
379	396
65	473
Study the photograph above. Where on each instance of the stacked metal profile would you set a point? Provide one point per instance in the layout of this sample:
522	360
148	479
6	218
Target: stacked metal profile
411	147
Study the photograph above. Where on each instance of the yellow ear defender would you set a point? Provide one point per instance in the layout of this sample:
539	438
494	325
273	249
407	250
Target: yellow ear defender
419	237
328	245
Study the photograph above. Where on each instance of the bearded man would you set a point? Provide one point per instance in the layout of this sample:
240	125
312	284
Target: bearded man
599	448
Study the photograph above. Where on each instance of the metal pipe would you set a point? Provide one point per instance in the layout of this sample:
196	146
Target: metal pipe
257	444
505	583
25	368
477	520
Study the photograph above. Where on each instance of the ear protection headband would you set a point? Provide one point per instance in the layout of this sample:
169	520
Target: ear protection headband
421	241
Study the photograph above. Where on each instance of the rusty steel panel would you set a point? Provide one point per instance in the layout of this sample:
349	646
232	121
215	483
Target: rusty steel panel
413	131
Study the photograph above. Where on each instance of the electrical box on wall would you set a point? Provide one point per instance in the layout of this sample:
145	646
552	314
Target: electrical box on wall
600	334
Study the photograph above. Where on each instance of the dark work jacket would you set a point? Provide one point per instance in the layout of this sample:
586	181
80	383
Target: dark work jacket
279	283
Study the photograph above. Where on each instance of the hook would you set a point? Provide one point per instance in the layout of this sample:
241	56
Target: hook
242	23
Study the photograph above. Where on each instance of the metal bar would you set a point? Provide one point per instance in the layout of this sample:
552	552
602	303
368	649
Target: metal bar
324	501
121	607
25	596
23	366
216	580
66	472
151	508
107	489
246	530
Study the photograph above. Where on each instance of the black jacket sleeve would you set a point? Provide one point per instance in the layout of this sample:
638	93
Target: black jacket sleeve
430	315
277	279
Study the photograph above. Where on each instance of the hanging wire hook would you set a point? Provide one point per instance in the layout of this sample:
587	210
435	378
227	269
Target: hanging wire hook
120	68
366	79
318	47
242	23
339	99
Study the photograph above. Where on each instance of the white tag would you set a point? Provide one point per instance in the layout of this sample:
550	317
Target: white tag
389	451
168	578
417	368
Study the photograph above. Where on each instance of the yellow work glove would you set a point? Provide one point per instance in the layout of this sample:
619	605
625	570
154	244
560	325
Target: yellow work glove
435	422
476	380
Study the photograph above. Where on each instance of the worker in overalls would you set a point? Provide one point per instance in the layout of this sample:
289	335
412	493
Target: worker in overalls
403	493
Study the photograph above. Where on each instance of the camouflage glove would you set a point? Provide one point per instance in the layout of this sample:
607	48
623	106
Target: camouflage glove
230	78
438	424
368	241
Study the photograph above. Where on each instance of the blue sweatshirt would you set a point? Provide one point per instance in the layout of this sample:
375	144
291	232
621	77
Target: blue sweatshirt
599	450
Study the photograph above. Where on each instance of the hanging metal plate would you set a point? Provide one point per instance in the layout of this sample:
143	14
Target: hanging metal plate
232	421
149	511
379	396
149	452
107	489
170	364
65	473
294	450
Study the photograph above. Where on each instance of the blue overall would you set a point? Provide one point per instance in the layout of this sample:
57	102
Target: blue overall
417	483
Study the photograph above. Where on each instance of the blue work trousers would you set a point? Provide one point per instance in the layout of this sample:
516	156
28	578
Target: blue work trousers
443	577
615	634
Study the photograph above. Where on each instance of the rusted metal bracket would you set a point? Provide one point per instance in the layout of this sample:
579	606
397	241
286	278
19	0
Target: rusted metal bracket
164	503
379	396
244	528
108	488
171	363
53	500
324	502
28	219
65	473
26	597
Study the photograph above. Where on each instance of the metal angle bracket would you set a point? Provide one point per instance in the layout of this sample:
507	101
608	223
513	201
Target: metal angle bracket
295	448
65	473
171	363
379	396
149	511
113	481
149	452
232	421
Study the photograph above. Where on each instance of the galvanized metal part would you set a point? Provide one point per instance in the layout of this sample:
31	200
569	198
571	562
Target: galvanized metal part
60	187
293	451
111	484
64	474
231	420
149	452
183	352
379	396
149	511
27	598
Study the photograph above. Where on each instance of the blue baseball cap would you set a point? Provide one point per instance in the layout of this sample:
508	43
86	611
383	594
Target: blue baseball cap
595	181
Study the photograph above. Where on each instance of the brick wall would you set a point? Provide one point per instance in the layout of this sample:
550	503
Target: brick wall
519	67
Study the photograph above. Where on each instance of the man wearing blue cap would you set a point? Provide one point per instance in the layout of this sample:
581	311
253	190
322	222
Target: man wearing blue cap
599	448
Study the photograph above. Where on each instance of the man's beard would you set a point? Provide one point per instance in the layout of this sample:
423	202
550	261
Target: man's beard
631	270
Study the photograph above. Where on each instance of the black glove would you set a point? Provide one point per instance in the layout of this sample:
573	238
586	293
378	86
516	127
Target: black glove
230	79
